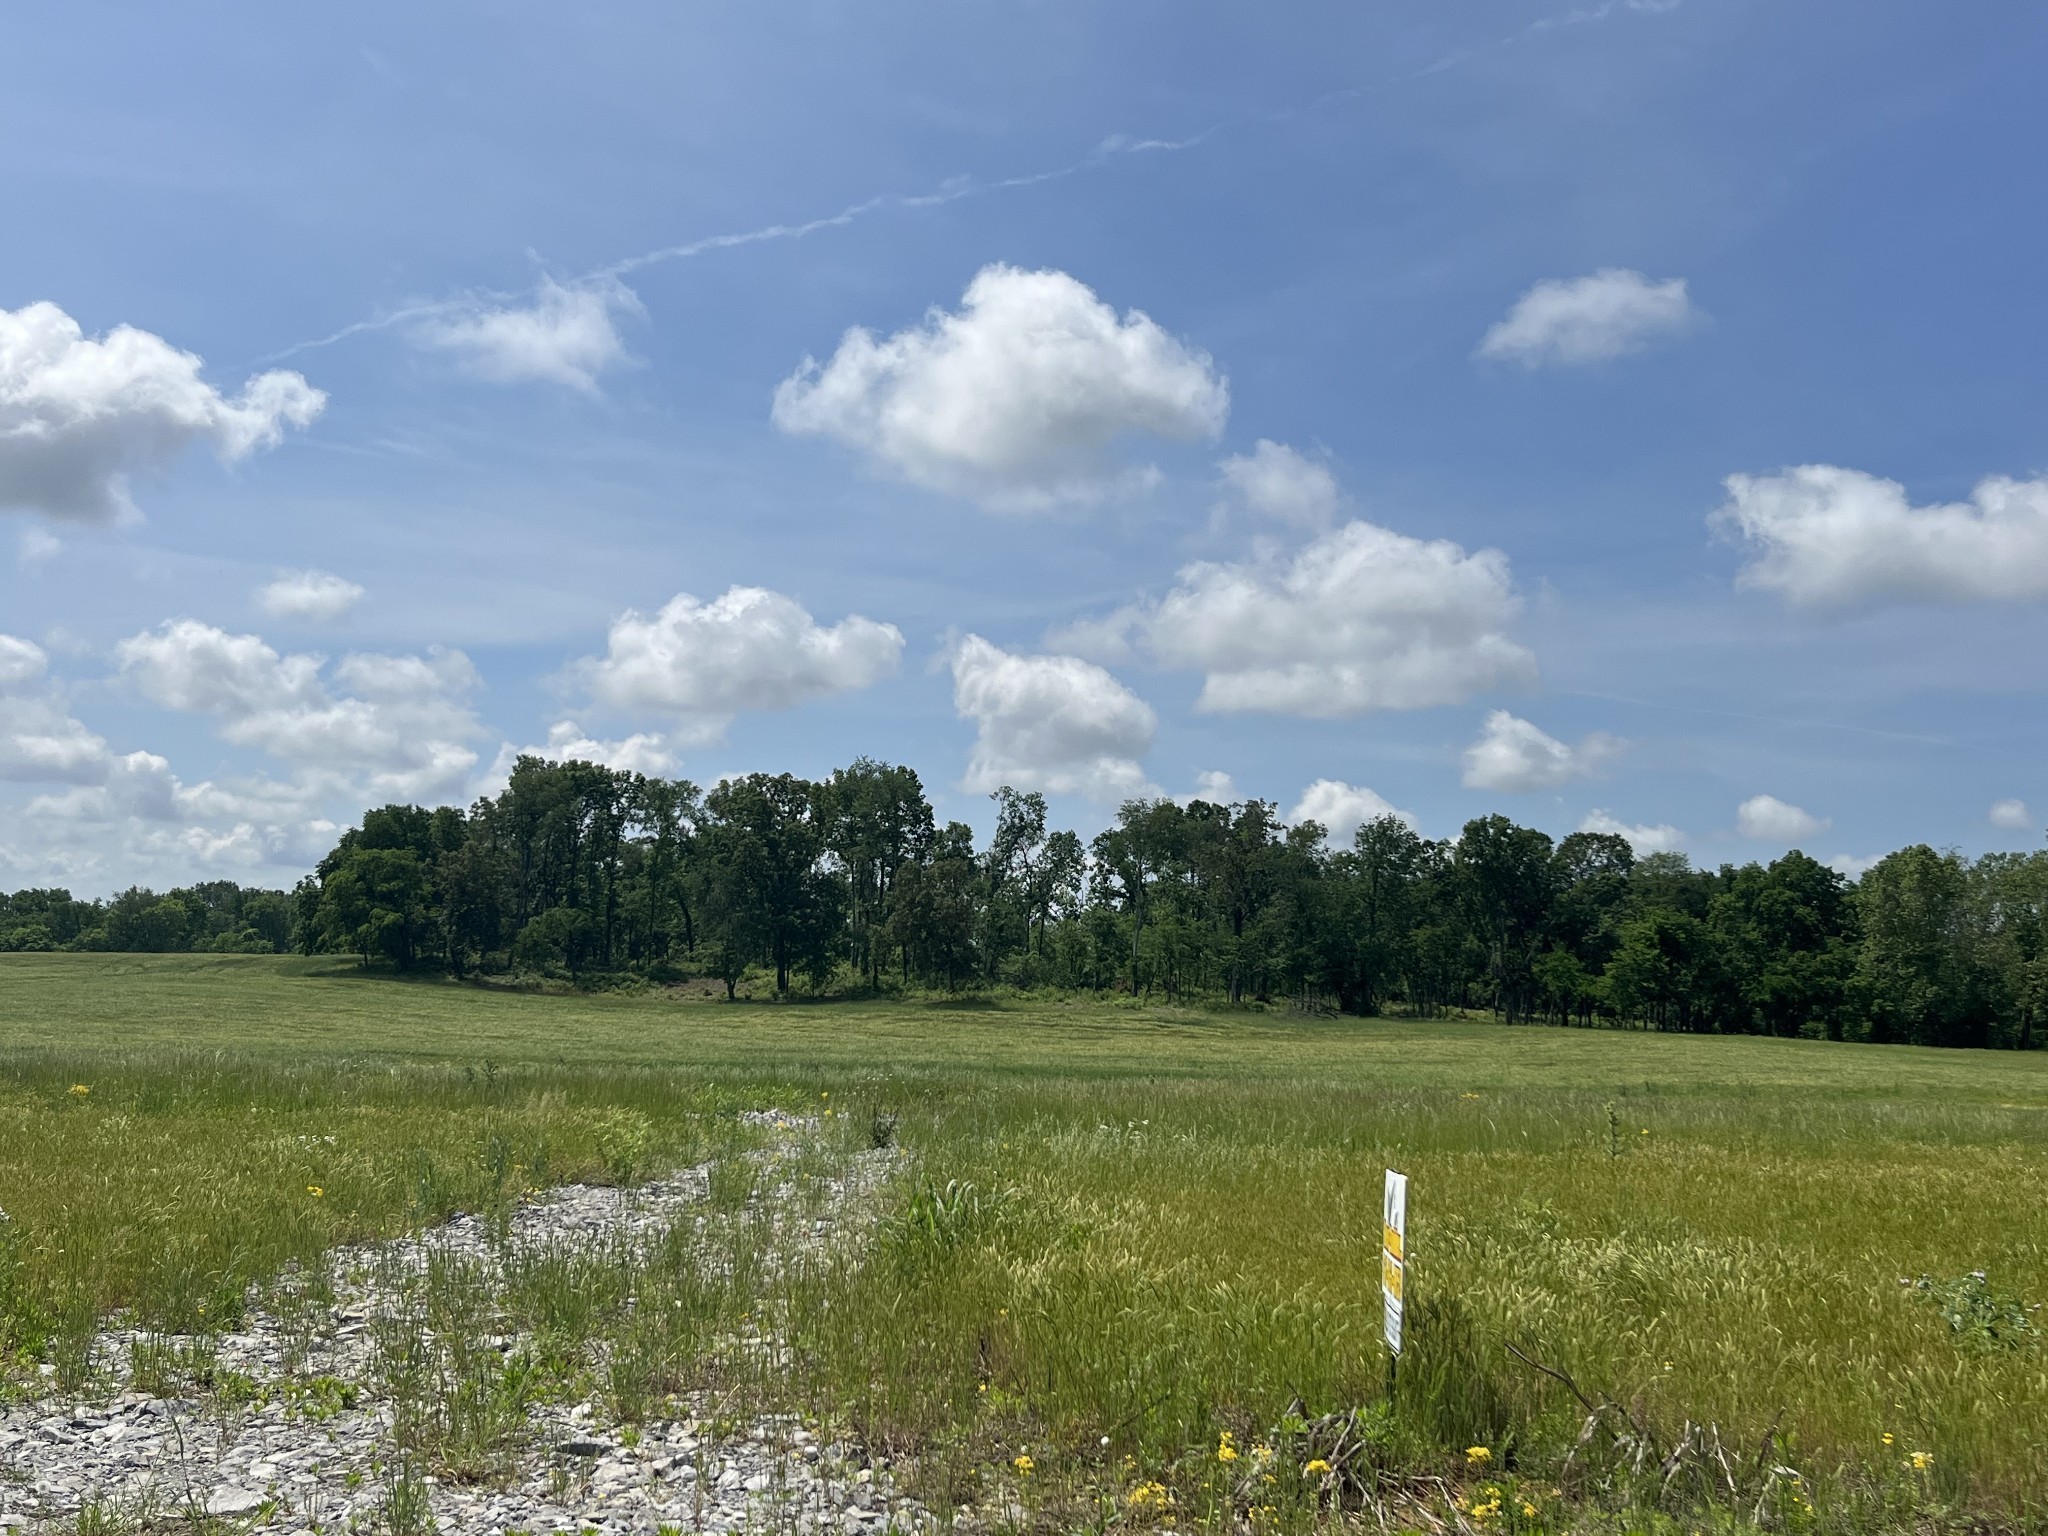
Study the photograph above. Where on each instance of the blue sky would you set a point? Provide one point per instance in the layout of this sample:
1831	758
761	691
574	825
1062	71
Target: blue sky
1506	291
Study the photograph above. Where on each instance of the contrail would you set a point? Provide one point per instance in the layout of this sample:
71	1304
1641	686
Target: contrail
1109	149
1116	146
378	323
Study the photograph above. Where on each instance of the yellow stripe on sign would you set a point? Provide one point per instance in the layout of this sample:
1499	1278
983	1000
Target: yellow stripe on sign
1390	1275
1390	1239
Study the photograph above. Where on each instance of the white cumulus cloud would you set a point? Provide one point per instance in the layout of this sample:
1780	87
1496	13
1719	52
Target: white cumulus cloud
1854	866
1051	723
1359	619
78	414
566	335
1280	482
1512	754
749	649
642	752
190	666
1823	536
1341	809
125	816
40	743
1211	785
22	663
1016	399
1661	838
1769	819
397	726
140	817
318	595
2012	815
1573	321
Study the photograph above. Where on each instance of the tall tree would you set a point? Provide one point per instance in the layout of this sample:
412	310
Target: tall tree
1505	884
766	836
1915	969
876	820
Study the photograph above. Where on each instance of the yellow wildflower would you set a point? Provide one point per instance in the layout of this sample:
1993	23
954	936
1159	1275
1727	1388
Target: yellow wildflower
1316	1467
1024	1464
1149	1495
1262	1454
79	1090
315	1191
1225	1449
1887	1437
1477	1455
1528	1510
1921	1460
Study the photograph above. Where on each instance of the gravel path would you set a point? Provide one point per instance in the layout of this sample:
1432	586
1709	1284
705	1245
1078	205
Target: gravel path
300	1461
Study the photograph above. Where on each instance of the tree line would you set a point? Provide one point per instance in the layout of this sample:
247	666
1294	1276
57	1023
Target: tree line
218	916
849	883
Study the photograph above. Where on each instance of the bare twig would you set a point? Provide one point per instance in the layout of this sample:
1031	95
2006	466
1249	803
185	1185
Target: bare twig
1557	1375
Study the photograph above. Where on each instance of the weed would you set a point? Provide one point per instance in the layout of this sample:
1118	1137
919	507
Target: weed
165	1365
1979	1317
733	1182
936	1222
103	1515
319	1399
459	1400
623	1139
407	1507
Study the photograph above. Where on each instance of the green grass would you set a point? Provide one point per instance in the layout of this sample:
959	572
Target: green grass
1162	1224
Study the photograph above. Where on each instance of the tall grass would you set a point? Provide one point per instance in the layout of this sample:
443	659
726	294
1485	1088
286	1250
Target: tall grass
1167	1263
1113	1245
166	1184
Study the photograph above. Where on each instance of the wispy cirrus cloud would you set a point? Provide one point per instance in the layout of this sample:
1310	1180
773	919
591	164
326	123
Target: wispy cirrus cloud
565	333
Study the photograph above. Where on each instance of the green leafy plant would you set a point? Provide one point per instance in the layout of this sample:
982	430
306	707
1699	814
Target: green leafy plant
1979	1317
624	1137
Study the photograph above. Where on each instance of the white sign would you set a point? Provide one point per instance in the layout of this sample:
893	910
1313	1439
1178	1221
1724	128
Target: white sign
1393	1253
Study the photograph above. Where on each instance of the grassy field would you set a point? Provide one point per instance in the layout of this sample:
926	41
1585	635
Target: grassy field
1129	1256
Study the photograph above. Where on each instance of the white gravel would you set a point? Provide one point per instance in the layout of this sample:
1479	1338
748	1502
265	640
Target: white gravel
275	1466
